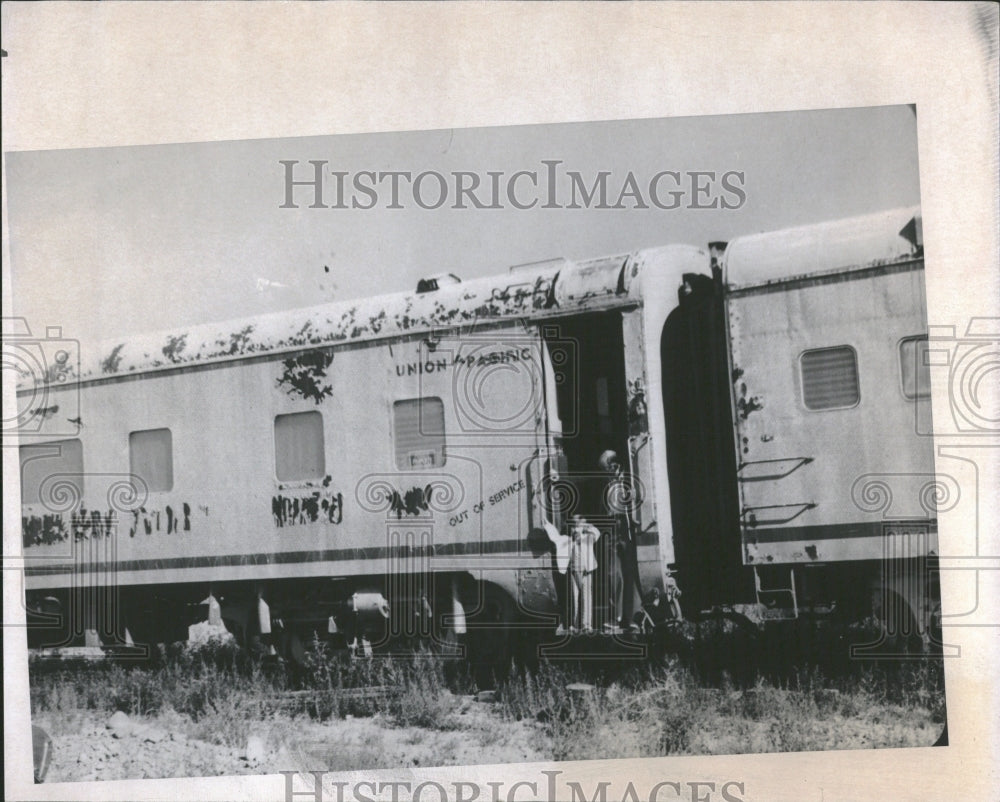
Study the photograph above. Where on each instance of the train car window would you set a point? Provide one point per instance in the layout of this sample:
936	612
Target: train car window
151	458
298	446
418	431
913	366
50	472
830	378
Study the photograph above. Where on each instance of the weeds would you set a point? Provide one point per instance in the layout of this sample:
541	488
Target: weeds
570	712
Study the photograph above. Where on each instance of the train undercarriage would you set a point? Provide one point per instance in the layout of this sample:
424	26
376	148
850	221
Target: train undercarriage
458	615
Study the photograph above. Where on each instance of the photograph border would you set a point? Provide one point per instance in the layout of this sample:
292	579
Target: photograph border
81	75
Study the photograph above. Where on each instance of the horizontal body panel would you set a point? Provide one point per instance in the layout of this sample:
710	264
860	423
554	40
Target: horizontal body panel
857	549
836	542
398	557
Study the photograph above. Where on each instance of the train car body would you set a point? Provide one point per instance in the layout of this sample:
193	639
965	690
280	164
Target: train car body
409	452
829	500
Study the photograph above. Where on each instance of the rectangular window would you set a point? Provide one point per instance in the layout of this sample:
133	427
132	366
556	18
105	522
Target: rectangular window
830	378
298	447
914	368
418	428
151	458
50	472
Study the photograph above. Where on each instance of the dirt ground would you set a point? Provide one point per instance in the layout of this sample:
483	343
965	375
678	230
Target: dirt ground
91	747
667	717
88	747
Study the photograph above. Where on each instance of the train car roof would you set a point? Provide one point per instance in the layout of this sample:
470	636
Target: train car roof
851	243
546	289
541	290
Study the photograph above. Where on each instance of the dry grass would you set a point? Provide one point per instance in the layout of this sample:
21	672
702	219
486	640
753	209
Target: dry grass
216	693
668	710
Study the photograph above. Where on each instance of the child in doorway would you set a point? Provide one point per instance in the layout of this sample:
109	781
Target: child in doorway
582	564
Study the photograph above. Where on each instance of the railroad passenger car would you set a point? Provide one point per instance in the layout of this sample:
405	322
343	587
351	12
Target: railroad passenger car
390	464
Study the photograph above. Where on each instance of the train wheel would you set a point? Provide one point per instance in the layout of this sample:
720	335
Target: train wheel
891	629
237	629
289	646
900	635
491	635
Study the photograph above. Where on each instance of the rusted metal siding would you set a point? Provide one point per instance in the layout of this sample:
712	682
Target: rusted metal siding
812	480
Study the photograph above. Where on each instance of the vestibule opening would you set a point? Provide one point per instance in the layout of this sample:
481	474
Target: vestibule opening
588	362
701	453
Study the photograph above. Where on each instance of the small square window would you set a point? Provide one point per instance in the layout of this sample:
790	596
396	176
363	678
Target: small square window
298	447
418	428
151	458
914	367
50	471
830	378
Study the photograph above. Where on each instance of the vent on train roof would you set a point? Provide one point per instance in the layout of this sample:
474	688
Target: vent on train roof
432	283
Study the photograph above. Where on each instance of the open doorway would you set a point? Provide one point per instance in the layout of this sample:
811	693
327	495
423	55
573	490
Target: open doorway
587	352
588	360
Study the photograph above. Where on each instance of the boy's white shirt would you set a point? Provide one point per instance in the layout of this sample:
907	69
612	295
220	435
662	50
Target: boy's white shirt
564	544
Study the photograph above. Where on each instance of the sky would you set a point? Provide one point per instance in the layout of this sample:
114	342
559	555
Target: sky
110	242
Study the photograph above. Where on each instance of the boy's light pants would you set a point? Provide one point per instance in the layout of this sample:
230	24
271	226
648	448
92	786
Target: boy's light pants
581	588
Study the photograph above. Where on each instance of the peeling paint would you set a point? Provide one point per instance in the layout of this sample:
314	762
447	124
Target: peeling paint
746	406
316	507
413	502
45	412
149	521
37	530
638	418
333	323
239	341
304	373
175	345
113	360
94	524
173	524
